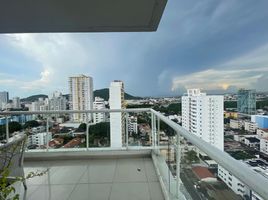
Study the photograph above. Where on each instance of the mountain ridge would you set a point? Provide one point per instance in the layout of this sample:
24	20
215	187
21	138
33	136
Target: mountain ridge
103	93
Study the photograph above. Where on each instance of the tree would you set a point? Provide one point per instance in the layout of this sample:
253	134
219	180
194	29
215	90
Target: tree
167	129
191	156
31	124
100	130
82	127
12	127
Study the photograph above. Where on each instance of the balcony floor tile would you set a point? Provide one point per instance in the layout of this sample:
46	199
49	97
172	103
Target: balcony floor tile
97	179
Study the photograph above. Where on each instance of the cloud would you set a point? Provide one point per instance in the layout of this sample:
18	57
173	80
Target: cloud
198	43
57	55
247	71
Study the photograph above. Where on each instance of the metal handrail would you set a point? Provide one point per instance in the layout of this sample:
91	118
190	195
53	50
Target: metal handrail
8	113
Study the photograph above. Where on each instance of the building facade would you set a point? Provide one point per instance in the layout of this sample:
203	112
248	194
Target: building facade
16	102
81	96
246	101
57	102
250	126
264	145
39	139
260	120
99	104
258	165
4	98
132	124
117	122
202	115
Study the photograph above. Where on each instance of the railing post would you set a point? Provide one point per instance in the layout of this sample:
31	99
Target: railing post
178	162
47	130
158	135
7	129
87	129
127	116
152	128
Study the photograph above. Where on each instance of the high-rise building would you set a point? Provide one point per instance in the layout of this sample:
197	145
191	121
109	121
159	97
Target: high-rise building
57	101
81	96
117	122
202	115
99	104
3	99
246	101
16	102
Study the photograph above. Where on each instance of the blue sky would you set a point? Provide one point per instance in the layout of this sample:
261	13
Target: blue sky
215	45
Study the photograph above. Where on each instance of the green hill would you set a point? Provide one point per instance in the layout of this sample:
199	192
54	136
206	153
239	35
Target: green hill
104	93
34	98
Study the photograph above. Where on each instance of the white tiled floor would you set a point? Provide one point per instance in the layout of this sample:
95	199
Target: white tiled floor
96	179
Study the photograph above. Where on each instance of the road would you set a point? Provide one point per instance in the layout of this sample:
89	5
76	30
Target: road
189	185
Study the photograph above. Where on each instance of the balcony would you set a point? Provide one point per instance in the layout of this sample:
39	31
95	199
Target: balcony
152	165
108	177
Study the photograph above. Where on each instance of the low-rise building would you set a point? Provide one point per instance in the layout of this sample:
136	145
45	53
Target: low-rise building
262	133
232	115
250	126
261	120
74	143
132	124
252	142
232	182
235	124
241	138
204	174
39	139
258	165
264	145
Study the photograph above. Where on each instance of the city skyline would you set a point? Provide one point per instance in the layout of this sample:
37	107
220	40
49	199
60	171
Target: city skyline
219	46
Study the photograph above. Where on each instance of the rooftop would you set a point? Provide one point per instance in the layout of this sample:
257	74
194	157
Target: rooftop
252	139
202	172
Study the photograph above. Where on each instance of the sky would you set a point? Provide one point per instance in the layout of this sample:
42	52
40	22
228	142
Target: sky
218	46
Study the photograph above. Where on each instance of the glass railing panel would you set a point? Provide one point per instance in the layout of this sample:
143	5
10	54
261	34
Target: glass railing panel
138	128
99	130
199	175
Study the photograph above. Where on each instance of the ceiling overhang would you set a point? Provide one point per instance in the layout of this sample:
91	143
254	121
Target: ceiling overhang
41	16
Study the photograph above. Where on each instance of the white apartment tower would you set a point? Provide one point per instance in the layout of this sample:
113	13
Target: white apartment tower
202	115
57	101
16	102
117	125
3	99
99	104
81	96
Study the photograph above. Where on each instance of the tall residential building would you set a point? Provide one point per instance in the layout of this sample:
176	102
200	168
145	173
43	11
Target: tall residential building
246	101
99	104
202	115
81	96
16	102
57	101
3	99
117	122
